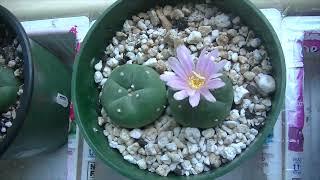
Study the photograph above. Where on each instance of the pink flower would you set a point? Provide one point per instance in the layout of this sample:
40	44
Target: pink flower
191	80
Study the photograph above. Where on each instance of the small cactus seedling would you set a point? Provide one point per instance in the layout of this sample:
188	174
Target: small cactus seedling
8	88
133	96
207	114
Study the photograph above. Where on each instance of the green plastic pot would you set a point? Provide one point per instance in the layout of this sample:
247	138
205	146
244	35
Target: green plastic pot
41	123
85	92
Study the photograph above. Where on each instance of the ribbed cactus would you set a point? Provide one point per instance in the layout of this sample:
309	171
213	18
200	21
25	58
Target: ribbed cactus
206	114
134	96
8	88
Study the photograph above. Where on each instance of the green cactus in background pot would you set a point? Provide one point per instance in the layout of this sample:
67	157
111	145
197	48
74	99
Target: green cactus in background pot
8	88
134	96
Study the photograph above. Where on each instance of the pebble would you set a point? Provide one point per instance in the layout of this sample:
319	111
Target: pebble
266	83
204	30
130	159
255	42
142	164
208	133
186	165
163	170
222	21
151	62
112	62
192	135
98	77
194	38
106	71
249	75
239	93
229	153
136	133
153	17
192	148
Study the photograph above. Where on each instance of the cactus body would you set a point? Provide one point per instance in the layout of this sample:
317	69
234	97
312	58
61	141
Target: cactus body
206	114
8	89
133	96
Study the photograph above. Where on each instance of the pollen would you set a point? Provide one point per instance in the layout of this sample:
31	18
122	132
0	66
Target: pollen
196	81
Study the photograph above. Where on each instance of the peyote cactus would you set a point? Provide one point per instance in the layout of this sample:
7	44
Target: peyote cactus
206	114
8	88
134	96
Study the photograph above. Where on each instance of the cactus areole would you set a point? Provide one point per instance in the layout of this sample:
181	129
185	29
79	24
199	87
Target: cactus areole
8	88
134	96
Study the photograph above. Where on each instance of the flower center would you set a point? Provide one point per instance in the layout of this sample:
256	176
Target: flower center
196	81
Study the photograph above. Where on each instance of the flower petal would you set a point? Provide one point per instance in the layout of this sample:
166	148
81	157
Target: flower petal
177	84
167	76
180	95
219	66
207	95
195	99
214	83
185	58
176	67
203	59
191	92
212	76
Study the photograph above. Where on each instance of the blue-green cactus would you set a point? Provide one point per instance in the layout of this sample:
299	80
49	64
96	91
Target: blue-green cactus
8	88
206	114
133	96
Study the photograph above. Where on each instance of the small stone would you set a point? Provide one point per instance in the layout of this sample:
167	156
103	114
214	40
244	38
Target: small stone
163	170
234	57
194	38
249	75
124	135
208	133
192	134
243	59
266	83
207	41
242	128
133	148
211	146
8	124
204	30
186	165
165	159
167	10
231	124
199	168
239	93
222	21
234	115
214	160
112	62
259	107
229	153
153	17
150	150
222	40
255	42
227	66
192	148
98	66
98	77
150	62
130	159
254	131
142	164
136	133
171	146
266	102
177	14
141	25
106	71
